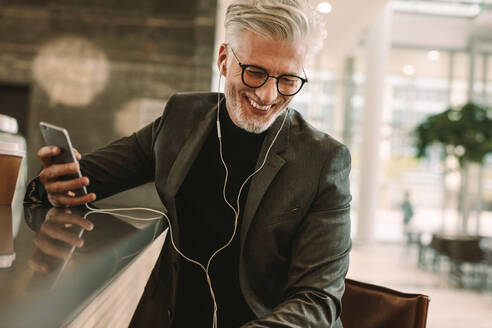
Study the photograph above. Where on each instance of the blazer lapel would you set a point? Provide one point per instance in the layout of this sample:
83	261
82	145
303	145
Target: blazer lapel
182	164
188	153
262	180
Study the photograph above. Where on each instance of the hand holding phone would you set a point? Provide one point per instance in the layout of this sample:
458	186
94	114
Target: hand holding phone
61	175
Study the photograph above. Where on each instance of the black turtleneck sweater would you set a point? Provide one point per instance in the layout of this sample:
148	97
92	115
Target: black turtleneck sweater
206	223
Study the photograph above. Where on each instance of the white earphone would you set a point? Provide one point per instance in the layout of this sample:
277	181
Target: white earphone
236	209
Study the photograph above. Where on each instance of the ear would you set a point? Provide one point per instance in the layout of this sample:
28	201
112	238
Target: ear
222	59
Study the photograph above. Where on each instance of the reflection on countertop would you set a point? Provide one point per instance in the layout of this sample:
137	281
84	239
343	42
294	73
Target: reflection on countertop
7	255
63	258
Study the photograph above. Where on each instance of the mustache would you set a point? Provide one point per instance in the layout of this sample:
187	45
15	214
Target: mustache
258	100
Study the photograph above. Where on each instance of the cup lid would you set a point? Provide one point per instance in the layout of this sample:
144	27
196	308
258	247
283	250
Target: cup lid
12	148
8	124
6	260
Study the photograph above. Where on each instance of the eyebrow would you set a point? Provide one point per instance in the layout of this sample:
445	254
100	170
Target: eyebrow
287	73
268	71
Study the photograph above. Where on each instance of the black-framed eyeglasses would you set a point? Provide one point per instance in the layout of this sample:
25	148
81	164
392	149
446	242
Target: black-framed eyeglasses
255	77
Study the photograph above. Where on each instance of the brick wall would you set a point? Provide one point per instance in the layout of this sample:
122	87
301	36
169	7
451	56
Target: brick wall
103	68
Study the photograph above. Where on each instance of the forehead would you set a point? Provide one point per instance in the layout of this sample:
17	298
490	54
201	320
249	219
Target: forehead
273	55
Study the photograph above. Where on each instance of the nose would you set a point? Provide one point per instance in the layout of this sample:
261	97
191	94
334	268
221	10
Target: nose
268	92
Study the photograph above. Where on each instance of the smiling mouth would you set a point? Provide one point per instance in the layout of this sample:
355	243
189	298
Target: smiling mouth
255	105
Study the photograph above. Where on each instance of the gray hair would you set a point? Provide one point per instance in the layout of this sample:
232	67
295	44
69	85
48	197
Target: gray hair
291	21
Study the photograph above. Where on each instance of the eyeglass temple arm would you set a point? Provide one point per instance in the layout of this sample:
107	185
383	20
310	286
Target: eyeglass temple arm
305	76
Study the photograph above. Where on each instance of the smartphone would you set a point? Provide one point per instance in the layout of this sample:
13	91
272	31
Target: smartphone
57	136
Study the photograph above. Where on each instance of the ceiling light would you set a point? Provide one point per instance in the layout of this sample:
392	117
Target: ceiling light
408	70
324	7
433	55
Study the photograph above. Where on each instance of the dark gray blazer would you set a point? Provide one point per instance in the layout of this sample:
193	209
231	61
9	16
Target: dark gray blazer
295	232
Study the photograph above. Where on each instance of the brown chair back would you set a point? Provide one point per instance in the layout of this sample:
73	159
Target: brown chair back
440	244
370	306
466	250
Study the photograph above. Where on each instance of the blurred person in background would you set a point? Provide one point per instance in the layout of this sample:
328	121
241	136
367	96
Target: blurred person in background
406	210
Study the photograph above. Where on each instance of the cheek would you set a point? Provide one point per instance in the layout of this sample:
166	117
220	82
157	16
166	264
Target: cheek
286	101
234	75
233	82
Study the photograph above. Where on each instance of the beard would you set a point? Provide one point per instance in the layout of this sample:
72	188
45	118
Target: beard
242	117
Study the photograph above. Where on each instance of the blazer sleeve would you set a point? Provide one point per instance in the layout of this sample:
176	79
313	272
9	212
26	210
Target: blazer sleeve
320	255
124	164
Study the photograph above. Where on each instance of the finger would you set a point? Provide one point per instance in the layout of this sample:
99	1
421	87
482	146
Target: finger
63	186
46	153
61	200
77	154
56	232
47	246
64	219
37	263
55	171
53	212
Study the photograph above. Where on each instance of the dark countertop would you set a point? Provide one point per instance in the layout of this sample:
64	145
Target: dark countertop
40	289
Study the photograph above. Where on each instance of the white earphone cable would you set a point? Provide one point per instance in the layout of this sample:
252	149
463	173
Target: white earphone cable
236	209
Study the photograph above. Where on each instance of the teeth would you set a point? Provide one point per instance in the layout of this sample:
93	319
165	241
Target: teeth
257	106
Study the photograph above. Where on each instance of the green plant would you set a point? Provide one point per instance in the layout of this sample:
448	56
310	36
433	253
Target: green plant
465	132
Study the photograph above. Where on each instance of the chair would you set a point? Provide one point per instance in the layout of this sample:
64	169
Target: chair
485	245
440	245
466	250
370	306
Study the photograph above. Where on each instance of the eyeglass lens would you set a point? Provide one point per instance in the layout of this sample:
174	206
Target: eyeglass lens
255	77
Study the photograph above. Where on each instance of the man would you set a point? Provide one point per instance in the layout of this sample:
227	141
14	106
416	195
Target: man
244	160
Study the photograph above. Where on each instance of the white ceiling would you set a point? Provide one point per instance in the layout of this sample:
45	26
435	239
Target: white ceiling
345	25
420	31
348	20
482	25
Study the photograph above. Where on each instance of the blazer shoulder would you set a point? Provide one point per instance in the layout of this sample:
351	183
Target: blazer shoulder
190	106
309	137
204	100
